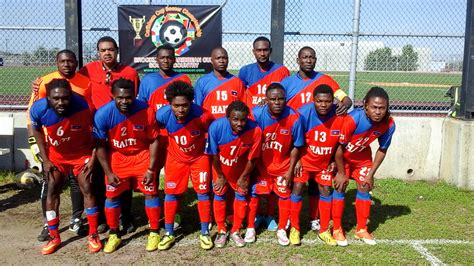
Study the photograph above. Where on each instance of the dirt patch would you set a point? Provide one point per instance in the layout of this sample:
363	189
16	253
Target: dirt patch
407	84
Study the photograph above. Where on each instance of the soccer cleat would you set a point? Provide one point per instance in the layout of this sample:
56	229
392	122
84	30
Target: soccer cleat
221	239
295	237
237	239
51	246
250	235
341	240
259	219
112	243
102	228
177	221
93	243
271	224
44	235
363	235
206	241
282	237
75	225
166	242
327	238
153	241
315	225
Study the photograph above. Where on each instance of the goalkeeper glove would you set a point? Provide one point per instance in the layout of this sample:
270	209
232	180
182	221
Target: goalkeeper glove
34	149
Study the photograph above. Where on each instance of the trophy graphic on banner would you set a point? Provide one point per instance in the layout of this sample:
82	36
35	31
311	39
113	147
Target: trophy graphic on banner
137	24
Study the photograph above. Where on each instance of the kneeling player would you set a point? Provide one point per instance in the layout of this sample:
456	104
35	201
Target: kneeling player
322	131
282	137
354	157
234	143
186	126
67	120
127	141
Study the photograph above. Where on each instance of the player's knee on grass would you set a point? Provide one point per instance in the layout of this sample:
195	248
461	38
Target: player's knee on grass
297	189
325	190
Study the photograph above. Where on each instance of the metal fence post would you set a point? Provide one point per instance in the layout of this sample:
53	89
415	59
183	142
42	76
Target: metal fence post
277	31
73	17
355	43
467	88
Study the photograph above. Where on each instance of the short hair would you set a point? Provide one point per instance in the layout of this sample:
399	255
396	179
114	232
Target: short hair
122	83
179	88
238	106
165	47
375	92
275	86
219	48
68	52
322	89
107	39
57	83
306	48
260	39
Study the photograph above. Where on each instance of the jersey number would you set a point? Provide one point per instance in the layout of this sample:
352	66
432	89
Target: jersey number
261	89
124	131
305	97
181	140
60	131
319	136
270	136
221	95
232	149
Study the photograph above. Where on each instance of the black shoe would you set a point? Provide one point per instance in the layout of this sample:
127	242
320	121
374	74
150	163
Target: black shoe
44	235
102	228
130	228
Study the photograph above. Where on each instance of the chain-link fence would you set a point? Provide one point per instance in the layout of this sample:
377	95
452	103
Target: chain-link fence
412	48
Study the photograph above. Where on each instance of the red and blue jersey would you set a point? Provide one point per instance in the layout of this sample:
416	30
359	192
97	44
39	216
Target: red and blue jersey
321	135
299	91
153	86
256	80
359	131
128	133
280	135
234	150
215	94
68	136
186	139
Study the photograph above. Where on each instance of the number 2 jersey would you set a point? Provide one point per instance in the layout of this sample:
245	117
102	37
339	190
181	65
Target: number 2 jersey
321	135
280	135
359	132
68	137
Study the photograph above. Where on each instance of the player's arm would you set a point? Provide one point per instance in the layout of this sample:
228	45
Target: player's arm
343	105
294	158
102	156
48	166
220	180
243	181
89	166
340	180
151	171
378	159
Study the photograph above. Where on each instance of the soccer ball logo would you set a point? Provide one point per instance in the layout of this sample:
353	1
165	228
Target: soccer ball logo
173	33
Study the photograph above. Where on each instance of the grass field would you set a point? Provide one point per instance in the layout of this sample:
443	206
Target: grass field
414	223
402	86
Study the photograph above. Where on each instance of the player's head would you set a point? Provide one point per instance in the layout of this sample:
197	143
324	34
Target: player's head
262	49
276	101
107	50
237	113
219	59
66	62
165	57
323	98
180	95
58	93
123	91
376	104
306	59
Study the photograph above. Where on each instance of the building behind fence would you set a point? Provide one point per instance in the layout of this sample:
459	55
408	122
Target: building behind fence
413	48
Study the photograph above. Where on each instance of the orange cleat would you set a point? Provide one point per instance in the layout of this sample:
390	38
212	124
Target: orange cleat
51	246
94	243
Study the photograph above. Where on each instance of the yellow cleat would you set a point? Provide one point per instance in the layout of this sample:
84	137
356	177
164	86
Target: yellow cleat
112	243
166	242
327	238
295	237
153	241
206	242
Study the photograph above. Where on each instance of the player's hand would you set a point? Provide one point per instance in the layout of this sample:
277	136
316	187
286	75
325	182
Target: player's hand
87	170
341	108
340	181
262	102
113	180
34	148
331	167
369	181
219	184
148	177
48	169
298	169
35	84
287	179
243	184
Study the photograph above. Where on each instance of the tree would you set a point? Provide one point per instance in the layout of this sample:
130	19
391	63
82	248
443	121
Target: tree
382	60
408	61
40	57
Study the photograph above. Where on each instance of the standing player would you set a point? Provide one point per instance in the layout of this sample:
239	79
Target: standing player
322	131
126	133
216	90
65	120
186	125
354	157
234	142
282	137
258	76
299	87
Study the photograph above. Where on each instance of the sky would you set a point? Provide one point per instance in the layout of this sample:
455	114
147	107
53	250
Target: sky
413	17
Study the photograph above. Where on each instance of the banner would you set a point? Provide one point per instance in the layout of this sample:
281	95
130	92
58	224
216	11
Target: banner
192	30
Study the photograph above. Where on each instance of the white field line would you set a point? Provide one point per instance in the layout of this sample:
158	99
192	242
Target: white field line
432	259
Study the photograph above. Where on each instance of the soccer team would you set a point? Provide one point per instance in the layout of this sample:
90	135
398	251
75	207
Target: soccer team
261	135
